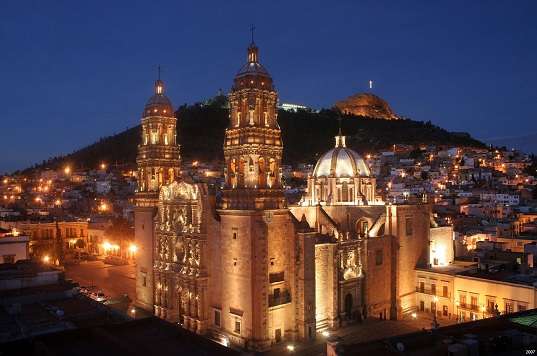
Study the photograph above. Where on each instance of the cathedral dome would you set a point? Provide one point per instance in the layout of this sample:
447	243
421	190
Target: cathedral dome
253	74
341	161
158	104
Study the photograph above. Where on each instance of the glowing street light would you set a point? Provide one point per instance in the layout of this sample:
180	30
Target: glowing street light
325	333
67	170
103	166
291	348
133	248
46	259
414	315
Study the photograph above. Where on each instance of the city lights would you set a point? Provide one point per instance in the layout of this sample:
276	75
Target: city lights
46	259
67	170
133	248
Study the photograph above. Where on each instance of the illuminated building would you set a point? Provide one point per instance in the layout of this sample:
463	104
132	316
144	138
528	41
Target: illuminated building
292	107
13	246
158	163
254	272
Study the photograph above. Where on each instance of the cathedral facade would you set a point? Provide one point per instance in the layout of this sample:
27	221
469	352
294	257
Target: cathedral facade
251	270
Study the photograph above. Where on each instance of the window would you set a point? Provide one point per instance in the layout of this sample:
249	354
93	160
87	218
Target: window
362	228
422	287
345	191
445	310
491	305
522	307
462	300
234	236
9	258
217	317
409	230
445	291
144	280
276	293
237	328
433	289
473	301
508	307
378	257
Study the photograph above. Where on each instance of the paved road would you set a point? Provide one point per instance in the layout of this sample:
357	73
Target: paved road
114	281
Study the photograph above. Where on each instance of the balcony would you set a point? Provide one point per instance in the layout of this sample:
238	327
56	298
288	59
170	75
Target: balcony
283	297
432	292
471	307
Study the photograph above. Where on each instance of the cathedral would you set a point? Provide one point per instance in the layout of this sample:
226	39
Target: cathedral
251	270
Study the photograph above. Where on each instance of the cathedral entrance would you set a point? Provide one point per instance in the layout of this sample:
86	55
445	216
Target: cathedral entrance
278	335
348	306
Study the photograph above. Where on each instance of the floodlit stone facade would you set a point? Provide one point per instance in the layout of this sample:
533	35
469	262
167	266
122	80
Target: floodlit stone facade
252	271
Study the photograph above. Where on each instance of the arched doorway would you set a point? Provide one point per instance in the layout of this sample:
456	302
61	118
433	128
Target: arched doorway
348	306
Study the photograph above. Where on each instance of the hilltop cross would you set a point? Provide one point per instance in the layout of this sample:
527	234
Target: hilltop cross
370	84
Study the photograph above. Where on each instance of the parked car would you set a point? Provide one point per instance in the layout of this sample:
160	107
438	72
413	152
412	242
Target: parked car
115	260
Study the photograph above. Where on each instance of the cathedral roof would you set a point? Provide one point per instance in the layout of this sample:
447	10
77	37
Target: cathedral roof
341	161
253	73
158	104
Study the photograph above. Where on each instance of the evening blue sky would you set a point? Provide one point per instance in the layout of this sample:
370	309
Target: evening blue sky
74	71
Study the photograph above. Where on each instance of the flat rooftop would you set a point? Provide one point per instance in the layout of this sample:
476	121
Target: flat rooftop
505	335
150	336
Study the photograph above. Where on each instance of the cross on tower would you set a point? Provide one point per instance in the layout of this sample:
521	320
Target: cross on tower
252	29
339	123
158	71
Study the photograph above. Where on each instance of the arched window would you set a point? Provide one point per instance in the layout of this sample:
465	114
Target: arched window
262	179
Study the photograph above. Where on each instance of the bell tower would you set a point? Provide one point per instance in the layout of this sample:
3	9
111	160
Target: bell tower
253	145
257	245
158	164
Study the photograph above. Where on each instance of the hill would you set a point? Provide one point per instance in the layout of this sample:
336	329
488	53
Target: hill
305	136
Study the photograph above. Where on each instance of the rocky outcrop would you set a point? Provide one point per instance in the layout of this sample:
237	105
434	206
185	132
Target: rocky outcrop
367	105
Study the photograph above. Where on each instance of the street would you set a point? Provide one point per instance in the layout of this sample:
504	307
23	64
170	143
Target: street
114	281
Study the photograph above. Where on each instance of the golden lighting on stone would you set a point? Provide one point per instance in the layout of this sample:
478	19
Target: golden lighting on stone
133	248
